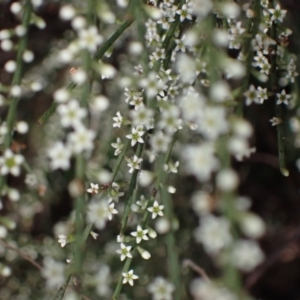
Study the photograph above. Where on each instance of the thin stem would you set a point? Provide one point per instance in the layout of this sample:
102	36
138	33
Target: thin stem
278	107
173	260
131	189
196	268
21	254
17	78
114	37
252	27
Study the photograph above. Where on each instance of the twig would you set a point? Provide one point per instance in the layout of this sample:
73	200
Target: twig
196	268
23	255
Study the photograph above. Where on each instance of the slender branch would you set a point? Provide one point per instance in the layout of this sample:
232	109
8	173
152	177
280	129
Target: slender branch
13	101
23	255
196	268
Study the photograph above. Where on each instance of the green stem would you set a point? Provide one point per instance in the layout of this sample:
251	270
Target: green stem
113	38
131	192
120	282
17	78
278	108
172	250
252	27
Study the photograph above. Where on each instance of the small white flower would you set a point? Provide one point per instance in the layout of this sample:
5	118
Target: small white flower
111	211
262	94
275	121
118	120
156	210
71	114
136	135
81	140
98	213
94	235
67	12
10	163
246	255
118	146
140	234
89	39
94	189
134	163
277	14
283	97
60	156
160	142
161	289
61	95
129	277
124	251
53	272
62	240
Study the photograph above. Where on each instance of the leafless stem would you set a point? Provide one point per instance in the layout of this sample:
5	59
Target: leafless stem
196	268
23	255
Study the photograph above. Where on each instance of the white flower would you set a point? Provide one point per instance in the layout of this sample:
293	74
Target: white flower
79	76
71	114
142	116
170	121
10	163
161	289
160	142
89	39
134	163
81	140
129	277
275	121
111	211
67	12
202	203
262	94
151	84
246	255
252	225
156	210
114	193
277	14
283	97
62	240
185	12
220	91
200	160
227	180
171	167
60	156
118	120
136	135
202	7
94	189
97	213
213	233
140	234
118	146
124	251
53	272
251	95
213	122
206	290
186	67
